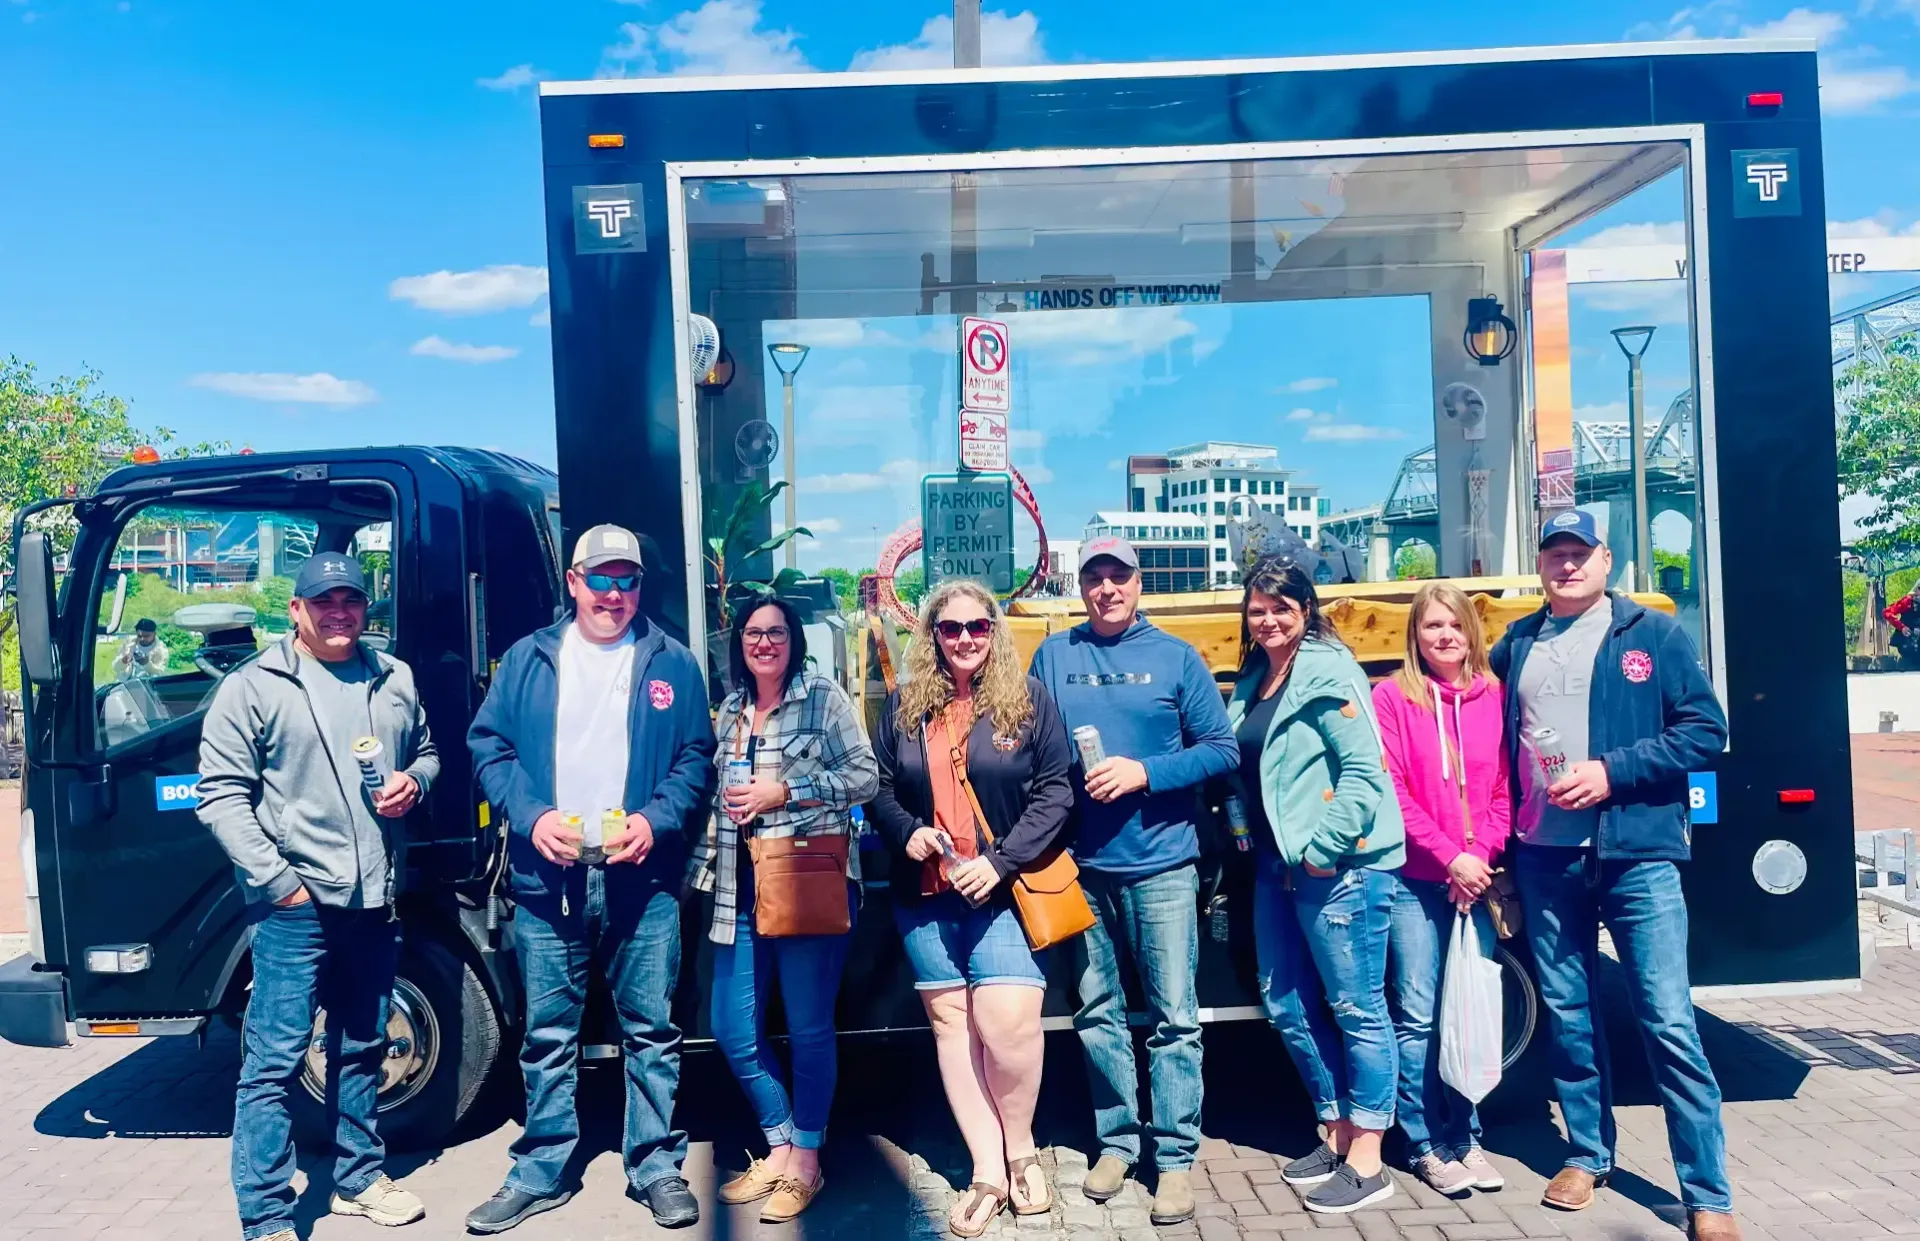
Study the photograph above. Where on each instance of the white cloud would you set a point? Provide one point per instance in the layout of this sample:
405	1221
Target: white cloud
1612	411
1668	234
1005	39
318	388
1800	24
1319	384
1099	337
719	37
1027	438
435	347
1845	89
892	474
1301	414
542	318
1349	433
820	525
1650	301
500	287
516	78
1118	463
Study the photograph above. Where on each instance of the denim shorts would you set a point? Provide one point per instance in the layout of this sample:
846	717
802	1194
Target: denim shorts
952	944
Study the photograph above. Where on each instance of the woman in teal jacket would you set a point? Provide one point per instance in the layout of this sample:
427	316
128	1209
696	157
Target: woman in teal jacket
1327	832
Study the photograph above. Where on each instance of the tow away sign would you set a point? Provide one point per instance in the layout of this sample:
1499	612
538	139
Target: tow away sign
986	394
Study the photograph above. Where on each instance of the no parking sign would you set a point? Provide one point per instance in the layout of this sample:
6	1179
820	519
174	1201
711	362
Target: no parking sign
986	394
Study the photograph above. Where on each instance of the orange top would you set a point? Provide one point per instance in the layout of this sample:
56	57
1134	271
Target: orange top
952	812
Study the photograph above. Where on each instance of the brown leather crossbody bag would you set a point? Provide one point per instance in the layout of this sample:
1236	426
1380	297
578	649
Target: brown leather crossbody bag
1046	892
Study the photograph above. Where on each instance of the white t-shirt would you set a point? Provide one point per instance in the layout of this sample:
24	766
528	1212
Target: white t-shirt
590	752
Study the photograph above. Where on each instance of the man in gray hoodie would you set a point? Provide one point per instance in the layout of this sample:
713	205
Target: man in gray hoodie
316	849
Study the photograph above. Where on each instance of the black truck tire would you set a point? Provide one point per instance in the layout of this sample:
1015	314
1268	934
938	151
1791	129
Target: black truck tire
446	1034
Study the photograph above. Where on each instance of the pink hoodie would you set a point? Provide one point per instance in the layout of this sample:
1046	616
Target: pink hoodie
1427	775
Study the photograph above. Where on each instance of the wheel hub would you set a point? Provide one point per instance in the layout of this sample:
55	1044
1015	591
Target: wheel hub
412	1051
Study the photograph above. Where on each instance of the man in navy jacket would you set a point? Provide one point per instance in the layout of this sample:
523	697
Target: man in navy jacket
1602	820
601	712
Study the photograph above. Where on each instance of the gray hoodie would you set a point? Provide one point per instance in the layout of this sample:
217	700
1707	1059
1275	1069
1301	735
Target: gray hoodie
274	799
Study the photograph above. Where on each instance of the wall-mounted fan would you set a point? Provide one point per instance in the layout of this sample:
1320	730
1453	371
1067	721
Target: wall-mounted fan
1465	408
703	346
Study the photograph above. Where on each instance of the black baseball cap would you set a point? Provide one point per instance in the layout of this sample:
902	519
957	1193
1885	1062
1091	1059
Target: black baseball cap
328	571
1573	522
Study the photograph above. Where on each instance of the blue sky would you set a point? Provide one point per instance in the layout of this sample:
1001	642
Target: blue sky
309	225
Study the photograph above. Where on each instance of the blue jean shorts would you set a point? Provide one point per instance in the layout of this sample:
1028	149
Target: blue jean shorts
952	944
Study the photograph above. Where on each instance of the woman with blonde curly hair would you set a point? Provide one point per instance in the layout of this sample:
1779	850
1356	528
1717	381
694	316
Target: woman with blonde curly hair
970	737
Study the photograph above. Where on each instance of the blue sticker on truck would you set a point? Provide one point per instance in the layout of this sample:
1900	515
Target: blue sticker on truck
1703	797
176	792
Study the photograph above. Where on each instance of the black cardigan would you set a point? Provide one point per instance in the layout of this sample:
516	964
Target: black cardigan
1026	792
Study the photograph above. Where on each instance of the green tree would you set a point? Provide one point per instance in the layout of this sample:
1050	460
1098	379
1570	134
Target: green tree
1880	449
911	586
846	586
60	438
1415	560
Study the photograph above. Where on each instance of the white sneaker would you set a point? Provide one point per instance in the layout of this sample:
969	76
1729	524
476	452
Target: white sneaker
1485	1175
383	1202
1447	1176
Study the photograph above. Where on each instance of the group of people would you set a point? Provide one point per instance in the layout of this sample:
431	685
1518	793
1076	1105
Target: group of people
1374	817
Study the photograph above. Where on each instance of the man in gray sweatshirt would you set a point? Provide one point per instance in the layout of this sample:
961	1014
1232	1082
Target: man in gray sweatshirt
316	849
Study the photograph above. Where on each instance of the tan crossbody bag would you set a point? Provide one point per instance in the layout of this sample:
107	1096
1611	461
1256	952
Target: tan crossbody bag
1046	892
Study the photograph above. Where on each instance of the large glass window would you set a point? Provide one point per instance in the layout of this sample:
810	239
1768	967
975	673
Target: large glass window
1183	333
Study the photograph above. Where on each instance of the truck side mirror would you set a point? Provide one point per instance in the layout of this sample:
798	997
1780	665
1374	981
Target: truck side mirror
34	597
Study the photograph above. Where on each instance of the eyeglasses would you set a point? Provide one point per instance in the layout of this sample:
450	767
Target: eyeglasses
607	581
775	637
977	628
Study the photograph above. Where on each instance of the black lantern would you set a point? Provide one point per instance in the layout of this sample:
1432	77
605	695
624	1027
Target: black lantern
1490	335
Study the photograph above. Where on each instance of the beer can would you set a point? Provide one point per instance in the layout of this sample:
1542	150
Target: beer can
739	772
1237	823
575	823
1551	751
1086	739
367	752
608	826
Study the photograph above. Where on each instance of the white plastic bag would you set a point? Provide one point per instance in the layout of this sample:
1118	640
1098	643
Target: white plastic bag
1470	1005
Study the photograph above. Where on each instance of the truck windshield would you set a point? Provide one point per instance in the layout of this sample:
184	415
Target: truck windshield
192	592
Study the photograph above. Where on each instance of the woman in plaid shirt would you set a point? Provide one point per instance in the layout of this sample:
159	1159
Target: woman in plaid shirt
811	766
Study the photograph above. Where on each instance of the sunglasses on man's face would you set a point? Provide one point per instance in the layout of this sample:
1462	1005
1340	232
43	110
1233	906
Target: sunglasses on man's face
951	629
609	581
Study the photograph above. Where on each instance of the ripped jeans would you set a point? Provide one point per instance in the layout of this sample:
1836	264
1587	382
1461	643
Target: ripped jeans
1322	948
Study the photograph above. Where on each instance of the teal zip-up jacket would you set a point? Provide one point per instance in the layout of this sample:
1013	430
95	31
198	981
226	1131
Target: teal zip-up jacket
1323	778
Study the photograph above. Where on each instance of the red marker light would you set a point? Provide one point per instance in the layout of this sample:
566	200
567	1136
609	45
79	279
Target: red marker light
1766	99
146	454
1796	797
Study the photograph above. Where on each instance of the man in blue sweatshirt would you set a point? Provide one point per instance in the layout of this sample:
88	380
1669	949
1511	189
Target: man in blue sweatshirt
1164	729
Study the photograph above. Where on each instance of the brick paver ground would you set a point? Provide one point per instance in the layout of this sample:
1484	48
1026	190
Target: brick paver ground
129	1141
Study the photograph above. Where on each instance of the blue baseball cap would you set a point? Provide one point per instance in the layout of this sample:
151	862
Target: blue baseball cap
1572	522
328	571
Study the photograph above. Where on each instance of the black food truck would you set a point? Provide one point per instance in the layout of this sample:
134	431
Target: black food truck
1127	294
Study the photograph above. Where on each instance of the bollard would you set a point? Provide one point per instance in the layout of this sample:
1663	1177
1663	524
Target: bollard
1888	719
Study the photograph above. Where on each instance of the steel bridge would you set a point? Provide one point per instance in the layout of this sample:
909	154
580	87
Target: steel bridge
1603	465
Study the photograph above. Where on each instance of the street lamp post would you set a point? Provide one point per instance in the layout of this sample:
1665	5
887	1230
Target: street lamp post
1633	342
787	358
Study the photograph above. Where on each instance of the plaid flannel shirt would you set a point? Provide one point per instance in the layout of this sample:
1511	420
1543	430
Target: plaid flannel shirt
824	757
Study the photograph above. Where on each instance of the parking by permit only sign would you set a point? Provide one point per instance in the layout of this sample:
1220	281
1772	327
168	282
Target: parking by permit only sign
986	394
966	524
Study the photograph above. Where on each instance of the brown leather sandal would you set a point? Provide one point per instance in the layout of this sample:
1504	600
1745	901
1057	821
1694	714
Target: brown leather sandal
1019	1186
977	1193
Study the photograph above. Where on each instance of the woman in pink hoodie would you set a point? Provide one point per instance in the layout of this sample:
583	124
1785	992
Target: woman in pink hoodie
1440	722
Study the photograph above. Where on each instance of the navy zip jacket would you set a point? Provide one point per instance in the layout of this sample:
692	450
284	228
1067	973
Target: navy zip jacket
1652	719
1025	791
669	761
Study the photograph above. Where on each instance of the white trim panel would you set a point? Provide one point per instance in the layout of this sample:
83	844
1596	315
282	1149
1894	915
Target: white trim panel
1707	446
1173	69
686	398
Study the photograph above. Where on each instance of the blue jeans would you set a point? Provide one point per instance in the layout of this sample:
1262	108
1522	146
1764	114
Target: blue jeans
1155	922
1322	944
1567	894
808	968
342	960
1432	1113
637	947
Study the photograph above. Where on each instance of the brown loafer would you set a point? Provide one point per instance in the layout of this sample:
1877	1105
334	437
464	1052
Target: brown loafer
758	1181
1572	1190
1713	1226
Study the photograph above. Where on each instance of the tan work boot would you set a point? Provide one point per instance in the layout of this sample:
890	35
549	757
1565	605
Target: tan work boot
1714	1226
1173	1200
1105	1178
383	1202
1572	1190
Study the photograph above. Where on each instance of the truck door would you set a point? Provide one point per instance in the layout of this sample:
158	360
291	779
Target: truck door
154	924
